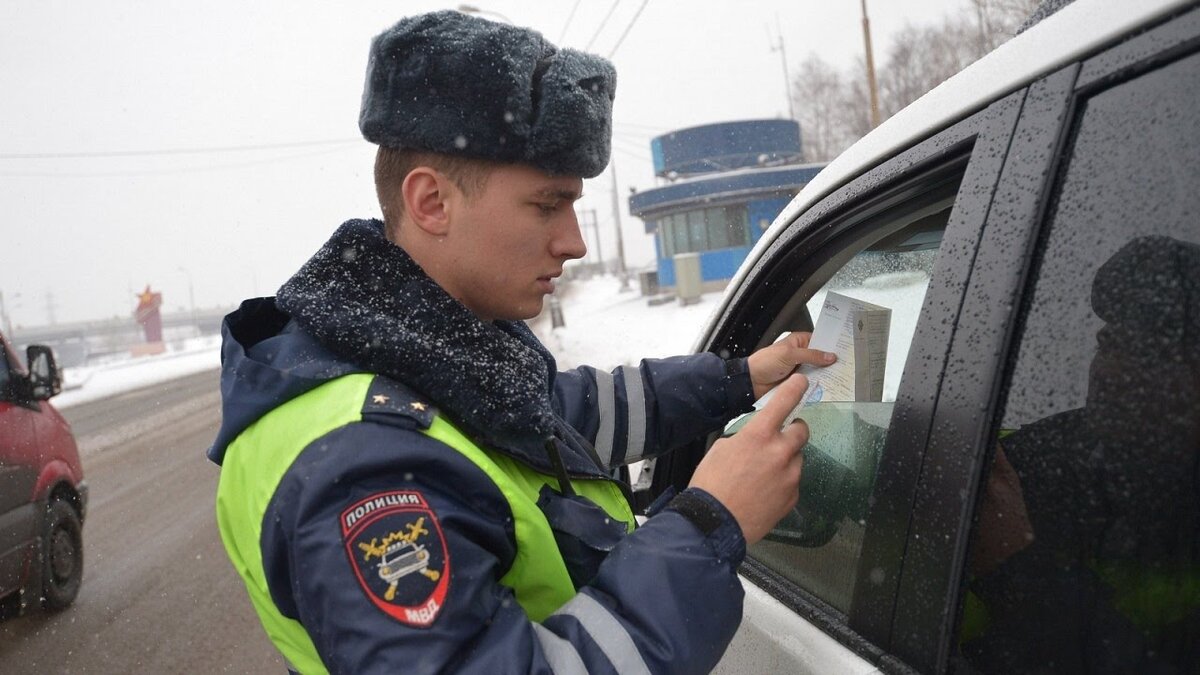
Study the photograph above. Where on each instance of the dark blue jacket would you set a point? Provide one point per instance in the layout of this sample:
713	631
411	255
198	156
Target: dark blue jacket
667	597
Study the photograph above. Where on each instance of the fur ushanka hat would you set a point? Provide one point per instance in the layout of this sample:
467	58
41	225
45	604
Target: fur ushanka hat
460	85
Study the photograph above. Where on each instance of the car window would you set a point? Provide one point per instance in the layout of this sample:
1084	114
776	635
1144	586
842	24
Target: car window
887	262
1085	553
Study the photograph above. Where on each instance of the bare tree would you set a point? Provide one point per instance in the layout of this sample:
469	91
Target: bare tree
856	118
833	107
997	20
922	57
819	95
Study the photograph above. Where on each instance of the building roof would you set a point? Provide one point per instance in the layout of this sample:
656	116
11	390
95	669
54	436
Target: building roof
730	185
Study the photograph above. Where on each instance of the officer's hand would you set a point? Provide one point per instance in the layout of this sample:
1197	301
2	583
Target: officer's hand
756	472
769	365
1004	528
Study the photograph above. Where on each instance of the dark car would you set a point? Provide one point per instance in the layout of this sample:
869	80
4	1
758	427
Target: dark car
43	496
1025	494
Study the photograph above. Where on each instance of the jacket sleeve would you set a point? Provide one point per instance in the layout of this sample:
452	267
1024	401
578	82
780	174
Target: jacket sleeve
641	613
639	412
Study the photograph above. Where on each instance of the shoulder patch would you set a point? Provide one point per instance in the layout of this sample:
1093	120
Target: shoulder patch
387	398
398	554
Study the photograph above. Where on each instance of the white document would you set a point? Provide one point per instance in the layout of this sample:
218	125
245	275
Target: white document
857	332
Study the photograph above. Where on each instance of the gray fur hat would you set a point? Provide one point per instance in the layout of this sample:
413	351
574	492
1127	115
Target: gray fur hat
460	85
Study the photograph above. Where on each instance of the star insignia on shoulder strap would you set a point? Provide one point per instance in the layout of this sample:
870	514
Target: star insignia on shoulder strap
390	402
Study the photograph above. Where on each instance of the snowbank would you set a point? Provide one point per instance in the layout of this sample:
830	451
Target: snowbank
604	327
90	383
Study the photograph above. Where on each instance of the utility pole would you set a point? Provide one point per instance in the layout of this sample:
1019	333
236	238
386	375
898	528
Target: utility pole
594	223
866	24
787	79
616	200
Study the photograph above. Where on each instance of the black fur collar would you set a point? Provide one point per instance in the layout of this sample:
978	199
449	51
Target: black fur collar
367	301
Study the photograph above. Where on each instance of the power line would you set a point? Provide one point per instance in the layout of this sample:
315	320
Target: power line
627	28
638	136
635	125
602	23
165	172
631	146
630	153
175	151
629	150
568	23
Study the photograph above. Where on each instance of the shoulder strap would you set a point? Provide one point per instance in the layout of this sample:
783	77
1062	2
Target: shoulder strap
390	402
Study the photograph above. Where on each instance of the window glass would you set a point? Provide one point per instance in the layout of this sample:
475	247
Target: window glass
697	237
718	229
736	220
679	232
704	230
665	243
818	544
1085	553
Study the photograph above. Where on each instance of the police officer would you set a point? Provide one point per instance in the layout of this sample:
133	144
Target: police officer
407	484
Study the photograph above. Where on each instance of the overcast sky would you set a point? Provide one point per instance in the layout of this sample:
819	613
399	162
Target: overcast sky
99	99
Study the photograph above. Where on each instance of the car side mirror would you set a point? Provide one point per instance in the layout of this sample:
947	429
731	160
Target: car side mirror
45	380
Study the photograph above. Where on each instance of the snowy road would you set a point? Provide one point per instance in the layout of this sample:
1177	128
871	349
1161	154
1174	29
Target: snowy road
158	594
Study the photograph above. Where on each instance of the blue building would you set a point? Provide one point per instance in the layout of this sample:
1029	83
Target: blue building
722	185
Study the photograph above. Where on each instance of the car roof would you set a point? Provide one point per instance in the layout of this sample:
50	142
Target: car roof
1079	28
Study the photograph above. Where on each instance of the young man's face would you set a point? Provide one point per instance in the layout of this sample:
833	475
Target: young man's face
509	241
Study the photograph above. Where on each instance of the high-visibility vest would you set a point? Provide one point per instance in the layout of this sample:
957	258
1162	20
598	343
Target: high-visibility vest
1151	597
255	464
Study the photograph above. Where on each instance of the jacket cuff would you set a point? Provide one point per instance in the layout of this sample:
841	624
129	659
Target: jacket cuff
721	531
738	386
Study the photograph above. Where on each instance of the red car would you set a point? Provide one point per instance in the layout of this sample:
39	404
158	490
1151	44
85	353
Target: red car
43	497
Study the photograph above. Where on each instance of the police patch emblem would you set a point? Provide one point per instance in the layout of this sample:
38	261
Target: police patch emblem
398	553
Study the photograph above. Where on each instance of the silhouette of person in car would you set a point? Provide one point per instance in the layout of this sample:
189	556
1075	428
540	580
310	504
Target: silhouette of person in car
1088	552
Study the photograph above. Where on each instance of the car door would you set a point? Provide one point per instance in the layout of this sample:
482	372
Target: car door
896	595
902	235
1057	521
19	463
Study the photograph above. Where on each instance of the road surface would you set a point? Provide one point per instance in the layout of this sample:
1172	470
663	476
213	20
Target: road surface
158	595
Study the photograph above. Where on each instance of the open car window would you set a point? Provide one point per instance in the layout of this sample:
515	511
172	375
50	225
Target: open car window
887	262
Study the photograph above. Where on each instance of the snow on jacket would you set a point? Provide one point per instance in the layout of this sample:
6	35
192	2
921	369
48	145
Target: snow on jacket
667	597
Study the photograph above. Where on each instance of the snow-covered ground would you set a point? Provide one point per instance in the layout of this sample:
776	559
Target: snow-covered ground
604	327
90	383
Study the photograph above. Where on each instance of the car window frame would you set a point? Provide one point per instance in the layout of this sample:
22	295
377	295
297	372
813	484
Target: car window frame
957	437
985	343
973	148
